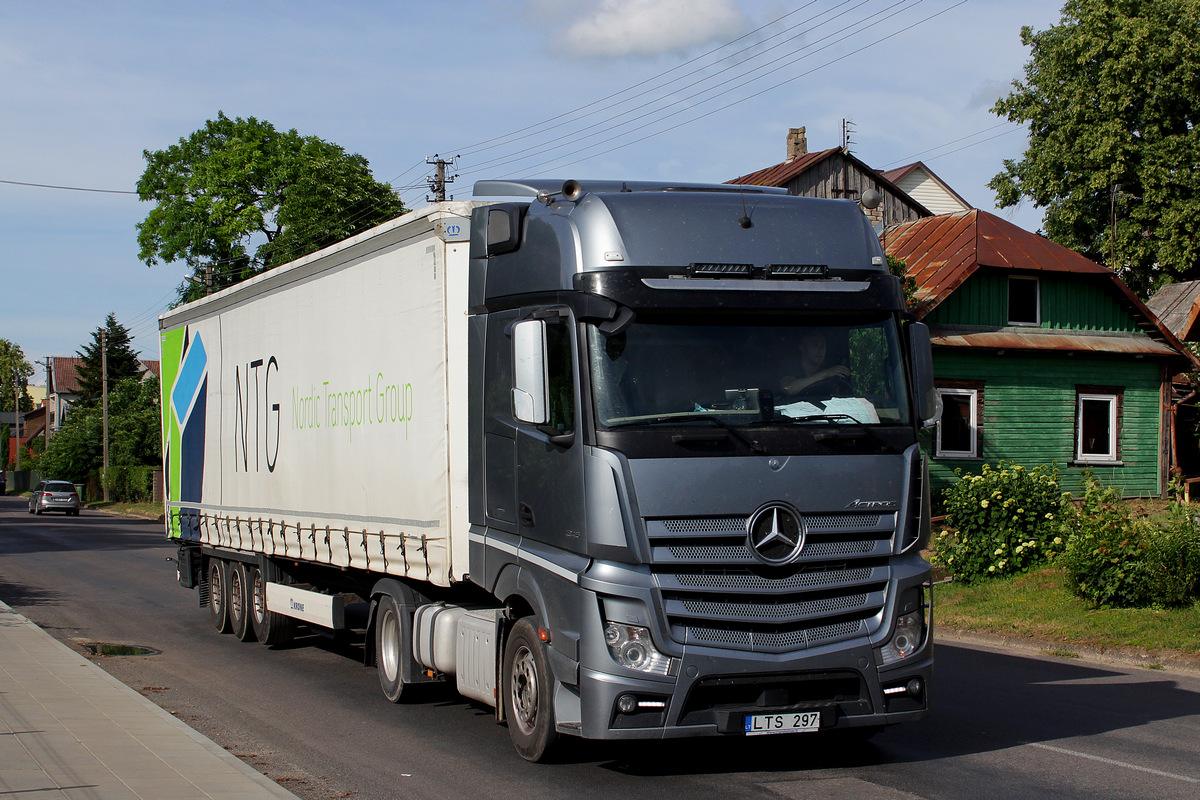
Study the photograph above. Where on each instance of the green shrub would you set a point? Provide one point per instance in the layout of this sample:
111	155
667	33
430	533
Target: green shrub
1113	559
131	484
1001	522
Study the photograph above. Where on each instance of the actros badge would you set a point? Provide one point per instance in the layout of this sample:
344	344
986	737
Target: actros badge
775	534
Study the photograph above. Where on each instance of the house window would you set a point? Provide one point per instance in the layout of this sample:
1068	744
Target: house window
1096	415
958	430
1024	301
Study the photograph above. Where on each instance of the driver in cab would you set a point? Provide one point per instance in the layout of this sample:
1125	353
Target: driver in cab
812	366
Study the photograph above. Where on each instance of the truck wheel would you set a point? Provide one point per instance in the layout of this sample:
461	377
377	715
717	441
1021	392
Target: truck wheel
269	627
218	594
239	601
527	693
390	648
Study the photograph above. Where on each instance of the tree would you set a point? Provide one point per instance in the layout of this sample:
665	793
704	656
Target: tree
123	362
14	375
238	197
1111	97
76	451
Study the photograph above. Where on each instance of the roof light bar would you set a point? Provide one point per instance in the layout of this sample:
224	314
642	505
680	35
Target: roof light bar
721	270
796	270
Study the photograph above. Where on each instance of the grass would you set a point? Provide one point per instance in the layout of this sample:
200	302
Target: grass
146	510
1037	606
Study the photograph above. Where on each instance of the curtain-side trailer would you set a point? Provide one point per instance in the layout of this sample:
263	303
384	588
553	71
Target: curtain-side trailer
620	460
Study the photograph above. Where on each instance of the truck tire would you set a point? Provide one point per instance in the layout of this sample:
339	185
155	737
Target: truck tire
269	627
240	600
218	593
391	649
527	693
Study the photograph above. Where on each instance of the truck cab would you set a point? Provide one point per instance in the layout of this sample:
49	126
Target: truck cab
695	481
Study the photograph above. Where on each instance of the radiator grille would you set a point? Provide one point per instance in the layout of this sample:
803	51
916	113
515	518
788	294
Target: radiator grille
716	593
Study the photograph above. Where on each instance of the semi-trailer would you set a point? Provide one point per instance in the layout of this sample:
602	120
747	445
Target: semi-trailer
621	460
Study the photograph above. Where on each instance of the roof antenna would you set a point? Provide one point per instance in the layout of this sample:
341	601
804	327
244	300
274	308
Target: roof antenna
744	220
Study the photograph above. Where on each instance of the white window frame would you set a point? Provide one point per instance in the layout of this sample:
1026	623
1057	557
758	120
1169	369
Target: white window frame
1113	401
1037	300
972	396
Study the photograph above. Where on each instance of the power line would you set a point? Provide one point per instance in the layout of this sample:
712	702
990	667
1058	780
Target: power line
67	188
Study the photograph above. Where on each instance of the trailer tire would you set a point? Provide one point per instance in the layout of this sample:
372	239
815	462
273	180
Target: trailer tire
527	693
390	648
218	594
239	576
270	628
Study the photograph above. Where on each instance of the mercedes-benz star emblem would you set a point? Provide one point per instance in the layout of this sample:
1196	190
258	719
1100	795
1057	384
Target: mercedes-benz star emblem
775	534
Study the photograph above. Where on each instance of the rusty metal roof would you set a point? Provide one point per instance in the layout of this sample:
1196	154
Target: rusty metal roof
780	174
1177	306
942	252
1035	339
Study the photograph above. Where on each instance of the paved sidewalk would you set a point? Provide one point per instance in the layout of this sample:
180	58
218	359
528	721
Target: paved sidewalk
68	729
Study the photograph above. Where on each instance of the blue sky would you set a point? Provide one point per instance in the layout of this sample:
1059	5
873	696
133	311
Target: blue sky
86	87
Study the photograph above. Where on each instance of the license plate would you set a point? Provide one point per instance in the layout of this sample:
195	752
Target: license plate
791	722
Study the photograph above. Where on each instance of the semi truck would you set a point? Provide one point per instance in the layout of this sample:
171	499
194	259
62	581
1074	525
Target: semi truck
618	460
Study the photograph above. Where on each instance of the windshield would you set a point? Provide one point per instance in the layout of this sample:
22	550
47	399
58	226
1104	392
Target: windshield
747	373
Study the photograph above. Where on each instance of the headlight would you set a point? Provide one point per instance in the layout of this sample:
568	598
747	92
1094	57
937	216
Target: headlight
906	638
632	648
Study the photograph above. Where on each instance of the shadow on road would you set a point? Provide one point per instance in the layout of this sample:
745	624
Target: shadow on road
983	701
22	533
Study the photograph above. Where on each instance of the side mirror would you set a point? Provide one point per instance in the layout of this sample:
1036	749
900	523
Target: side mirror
929	407
529	392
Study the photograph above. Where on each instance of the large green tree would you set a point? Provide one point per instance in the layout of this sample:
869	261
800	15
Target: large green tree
123	362
1111	97
76	451
238	197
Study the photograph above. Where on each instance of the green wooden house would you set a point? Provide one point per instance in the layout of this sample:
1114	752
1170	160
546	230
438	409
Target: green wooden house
1040	355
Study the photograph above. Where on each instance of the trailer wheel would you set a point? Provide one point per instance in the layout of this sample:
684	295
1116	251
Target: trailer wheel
527	693
269	627
390	648
239	600
218	572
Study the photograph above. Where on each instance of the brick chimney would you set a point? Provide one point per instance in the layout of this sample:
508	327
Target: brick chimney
797	144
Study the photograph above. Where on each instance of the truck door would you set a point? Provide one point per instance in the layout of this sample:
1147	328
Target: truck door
550	503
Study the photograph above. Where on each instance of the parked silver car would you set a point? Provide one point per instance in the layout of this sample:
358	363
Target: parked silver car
54	496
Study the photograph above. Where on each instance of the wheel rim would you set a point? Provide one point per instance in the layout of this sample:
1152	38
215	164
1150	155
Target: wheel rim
236	598
389	644
258	601
216	589
524	690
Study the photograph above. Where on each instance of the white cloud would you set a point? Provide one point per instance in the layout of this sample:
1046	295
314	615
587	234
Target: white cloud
616	28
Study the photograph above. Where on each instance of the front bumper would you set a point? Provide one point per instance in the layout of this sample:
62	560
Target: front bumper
714	692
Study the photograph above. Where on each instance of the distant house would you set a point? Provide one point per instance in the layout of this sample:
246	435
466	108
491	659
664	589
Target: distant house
921	184
836	174
62	388
1040	355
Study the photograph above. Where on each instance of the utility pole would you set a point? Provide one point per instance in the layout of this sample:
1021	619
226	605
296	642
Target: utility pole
104	395
46	402
437	184
17	414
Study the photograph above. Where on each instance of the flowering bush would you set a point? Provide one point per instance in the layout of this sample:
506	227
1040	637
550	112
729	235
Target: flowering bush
1113	559
1001	522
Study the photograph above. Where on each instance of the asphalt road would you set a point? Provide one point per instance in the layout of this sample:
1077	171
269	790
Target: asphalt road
311	717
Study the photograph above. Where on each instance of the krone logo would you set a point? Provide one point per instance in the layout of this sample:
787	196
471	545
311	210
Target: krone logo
775	534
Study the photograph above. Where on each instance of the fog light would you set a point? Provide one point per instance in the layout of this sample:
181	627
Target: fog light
914	687
627	704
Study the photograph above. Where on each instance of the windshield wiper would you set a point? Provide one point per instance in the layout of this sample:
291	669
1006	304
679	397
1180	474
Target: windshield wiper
665	419
843	426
